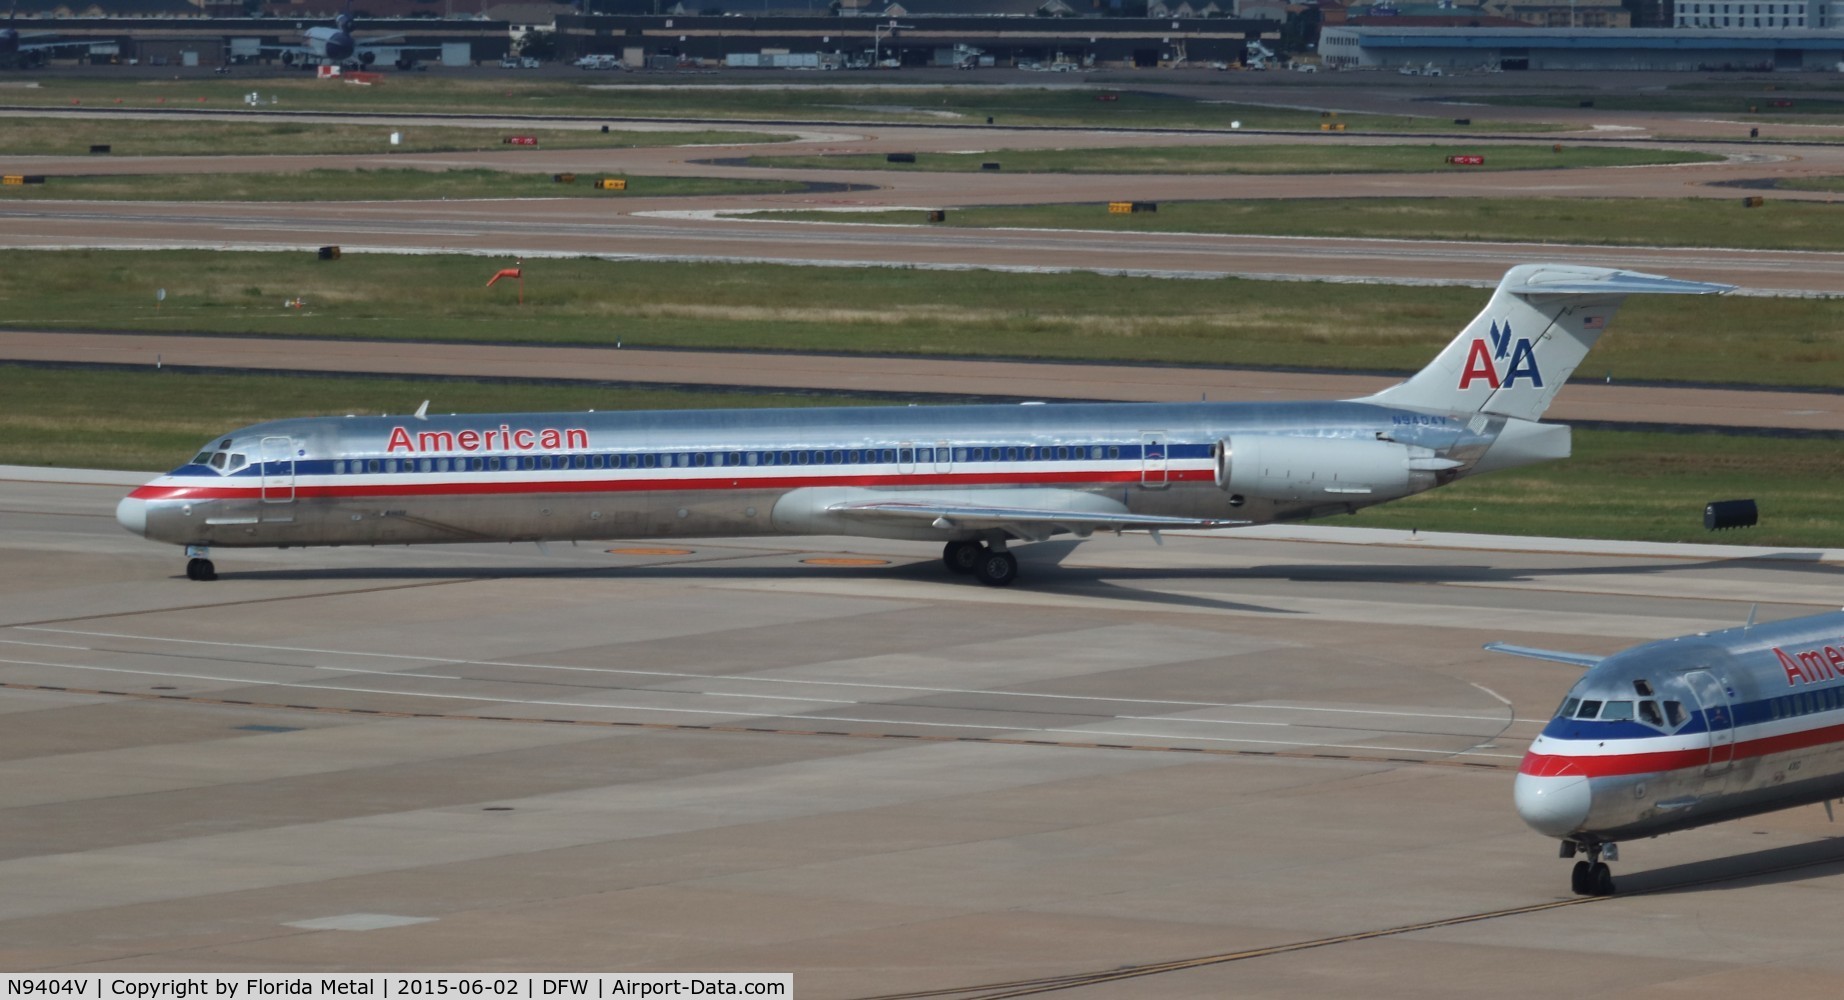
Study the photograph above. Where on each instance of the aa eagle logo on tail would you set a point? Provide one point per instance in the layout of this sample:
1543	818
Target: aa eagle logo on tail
1483	360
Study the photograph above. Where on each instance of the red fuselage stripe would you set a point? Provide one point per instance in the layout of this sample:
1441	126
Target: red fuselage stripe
1654	762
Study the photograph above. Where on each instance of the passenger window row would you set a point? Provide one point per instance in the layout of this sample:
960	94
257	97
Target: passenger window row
743	459
1806	703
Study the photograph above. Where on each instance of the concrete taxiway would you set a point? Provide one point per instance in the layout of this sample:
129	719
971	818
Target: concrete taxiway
824	756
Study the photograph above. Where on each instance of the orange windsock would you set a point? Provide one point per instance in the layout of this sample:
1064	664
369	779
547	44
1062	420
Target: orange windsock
510	272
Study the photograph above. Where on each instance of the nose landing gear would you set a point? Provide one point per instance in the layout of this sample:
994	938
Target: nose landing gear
1591	877
198	564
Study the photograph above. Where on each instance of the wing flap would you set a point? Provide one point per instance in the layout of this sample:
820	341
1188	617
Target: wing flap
1026	522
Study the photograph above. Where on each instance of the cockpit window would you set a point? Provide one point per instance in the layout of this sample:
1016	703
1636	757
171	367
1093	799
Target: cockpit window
217	461
202	458
1568	708
1675	715
1588	710
238	461
1617	710
1649	714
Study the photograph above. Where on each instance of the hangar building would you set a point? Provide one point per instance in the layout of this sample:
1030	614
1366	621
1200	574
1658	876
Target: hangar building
1459	49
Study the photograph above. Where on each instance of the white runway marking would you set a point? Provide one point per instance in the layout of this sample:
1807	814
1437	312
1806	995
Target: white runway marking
746	678
1182	727
1090	733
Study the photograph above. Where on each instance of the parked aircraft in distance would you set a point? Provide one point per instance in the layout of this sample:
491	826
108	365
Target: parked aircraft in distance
336	46
974	477
18	50
1684	732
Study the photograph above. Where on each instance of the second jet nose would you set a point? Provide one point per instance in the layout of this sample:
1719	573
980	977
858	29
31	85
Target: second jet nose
1555	806
132	514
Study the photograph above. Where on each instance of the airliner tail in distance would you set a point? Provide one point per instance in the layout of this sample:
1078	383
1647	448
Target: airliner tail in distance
974	478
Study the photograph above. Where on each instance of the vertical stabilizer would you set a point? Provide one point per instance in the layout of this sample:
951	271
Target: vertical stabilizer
1541	321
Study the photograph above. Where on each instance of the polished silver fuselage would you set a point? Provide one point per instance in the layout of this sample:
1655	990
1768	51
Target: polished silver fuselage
556	476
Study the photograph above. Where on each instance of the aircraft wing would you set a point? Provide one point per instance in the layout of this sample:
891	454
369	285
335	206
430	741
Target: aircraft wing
1030	523
1582	660
26	44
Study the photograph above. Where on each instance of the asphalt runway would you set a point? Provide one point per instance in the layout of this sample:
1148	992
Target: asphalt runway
1259	758
1580	400
564	228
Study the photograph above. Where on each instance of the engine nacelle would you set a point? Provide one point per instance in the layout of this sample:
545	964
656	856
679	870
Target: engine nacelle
1273	467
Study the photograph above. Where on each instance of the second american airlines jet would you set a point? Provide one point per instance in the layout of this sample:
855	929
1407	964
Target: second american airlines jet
976	478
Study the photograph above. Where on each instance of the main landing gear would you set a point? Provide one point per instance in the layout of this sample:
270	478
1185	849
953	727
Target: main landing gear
991	564
1591	877
198	563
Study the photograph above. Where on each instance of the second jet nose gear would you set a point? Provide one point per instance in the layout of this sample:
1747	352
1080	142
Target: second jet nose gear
1592	877
199	565
990	563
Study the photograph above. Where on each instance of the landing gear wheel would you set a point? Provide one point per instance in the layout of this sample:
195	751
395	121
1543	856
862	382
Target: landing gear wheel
1579	879
1600	880
200	569
961	557
996	569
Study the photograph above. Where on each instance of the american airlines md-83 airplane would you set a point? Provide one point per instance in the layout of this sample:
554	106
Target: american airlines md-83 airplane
973	477
1684	732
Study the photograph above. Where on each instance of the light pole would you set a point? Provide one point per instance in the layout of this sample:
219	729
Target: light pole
877	40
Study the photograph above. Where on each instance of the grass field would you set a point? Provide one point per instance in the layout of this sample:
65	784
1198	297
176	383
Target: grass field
1692	222
1266	158
1619	485
884	310
371	185
31	136
1810	183
1650	487
600	95
153	420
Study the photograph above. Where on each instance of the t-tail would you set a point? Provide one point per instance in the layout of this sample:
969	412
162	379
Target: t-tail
1539	325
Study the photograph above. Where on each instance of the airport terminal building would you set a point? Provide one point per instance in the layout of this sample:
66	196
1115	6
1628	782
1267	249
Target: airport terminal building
1463	49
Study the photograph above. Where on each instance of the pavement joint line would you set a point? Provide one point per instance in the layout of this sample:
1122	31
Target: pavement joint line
1049	984
1437	758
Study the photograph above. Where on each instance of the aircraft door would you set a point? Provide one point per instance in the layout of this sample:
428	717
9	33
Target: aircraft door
278	470
1155	465
1713	699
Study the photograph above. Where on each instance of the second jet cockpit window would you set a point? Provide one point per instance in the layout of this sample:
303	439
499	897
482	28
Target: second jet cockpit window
1663	715
223	461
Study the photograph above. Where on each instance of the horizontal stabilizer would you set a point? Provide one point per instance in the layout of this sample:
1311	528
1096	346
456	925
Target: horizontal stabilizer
1582	660
1582	281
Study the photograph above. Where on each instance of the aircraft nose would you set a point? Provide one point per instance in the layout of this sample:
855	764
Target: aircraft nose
1555	806
132	514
